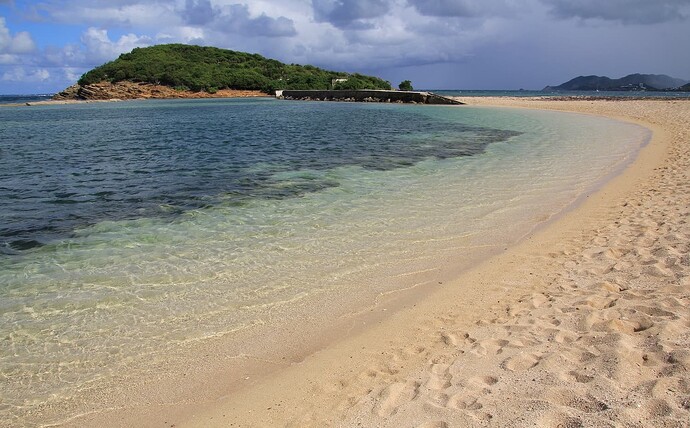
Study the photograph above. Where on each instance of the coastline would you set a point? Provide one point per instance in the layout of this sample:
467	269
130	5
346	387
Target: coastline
493	328
583	323
129	91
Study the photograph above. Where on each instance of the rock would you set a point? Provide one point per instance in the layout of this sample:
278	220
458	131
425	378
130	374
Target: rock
138	90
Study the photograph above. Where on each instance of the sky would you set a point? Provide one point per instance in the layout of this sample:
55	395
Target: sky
46	45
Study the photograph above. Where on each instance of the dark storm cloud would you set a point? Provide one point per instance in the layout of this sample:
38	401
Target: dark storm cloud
625	11
235	19
270	27
198	12
348	13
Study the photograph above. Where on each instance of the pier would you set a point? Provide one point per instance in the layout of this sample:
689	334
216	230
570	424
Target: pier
381	96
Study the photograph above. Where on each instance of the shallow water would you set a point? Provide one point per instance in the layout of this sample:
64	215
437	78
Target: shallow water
133	228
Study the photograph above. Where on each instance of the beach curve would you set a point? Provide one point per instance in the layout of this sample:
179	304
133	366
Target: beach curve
584	323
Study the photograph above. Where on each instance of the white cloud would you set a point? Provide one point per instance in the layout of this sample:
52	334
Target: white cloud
72	74
24	74
99	48
8	59
20	43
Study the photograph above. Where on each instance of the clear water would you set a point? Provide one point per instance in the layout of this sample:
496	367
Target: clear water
129	161
131	229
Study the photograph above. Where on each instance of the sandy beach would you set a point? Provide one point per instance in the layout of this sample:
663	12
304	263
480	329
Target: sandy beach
585	322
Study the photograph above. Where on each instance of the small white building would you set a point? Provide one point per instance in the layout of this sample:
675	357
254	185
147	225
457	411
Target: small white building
336	81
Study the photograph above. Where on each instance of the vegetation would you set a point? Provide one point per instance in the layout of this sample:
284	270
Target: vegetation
197	68
359	81
405	85
631	82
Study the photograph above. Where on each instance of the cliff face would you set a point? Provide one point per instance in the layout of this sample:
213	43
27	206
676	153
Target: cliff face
130	91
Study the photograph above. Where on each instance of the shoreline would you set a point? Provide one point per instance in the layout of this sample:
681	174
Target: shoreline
108	93
556	326
387	368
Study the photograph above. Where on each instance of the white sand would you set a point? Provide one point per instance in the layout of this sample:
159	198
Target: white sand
584	323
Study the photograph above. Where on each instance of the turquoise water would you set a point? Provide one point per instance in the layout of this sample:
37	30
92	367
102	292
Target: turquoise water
133	229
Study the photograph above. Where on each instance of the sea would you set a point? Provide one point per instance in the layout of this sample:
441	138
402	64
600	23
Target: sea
130	230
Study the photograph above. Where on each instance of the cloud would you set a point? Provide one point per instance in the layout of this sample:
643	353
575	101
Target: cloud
625	11
462	8
95	48
235	19
20	43
99	48
107	14
349	13
437	43
20	74
198	12
468	8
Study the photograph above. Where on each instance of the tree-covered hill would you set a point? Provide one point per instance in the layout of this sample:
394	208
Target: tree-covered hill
198	68
631	82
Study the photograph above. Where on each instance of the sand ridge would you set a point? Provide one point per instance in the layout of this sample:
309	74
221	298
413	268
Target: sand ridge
585	323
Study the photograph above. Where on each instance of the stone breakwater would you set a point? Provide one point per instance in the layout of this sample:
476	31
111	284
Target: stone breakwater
381	96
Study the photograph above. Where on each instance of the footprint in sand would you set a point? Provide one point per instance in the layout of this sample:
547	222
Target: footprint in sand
393	396
482	381
521	362
439	378
463	401
489	347
560	420
578	377
433	424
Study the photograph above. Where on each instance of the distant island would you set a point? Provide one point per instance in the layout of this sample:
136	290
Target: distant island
631	82
188	71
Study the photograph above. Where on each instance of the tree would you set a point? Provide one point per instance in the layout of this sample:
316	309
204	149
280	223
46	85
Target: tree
405	85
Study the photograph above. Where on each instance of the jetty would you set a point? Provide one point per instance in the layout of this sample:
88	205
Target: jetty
367	95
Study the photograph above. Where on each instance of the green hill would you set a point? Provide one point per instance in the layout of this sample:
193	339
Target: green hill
631	82
198	68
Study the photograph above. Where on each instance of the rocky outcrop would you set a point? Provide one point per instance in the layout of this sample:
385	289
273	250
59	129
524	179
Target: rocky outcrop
138	90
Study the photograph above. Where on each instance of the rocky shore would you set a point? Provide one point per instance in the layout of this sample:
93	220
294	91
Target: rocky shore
140	90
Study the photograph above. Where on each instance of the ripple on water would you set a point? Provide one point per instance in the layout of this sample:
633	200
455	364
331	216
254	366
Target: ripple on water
199	218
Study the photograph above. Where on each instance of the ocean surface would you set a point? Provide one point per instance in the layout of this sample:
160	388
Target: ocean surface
131	229
533	93
21	99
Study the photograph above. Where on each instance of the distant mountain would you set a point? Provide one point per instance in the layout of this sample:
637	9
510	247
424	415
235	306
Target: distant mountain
685	88
632	82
